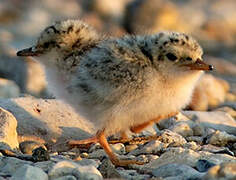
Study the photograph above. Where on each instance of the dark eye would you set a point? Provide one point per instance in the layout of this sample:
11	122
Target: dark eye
46	45
189	59
171	57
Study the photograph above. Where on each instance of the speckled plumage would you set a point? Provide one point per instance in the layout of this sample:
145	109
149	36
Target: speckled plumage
118	83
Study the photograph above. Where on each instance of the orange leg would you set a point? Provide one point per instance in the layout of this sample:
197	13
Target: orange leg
114	159
101	138
90	140
140	127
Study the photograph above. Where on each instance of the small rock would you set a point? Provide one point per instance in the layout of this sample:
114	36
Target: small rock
44	165
191	145
40	154
216	120
94	147
220	138
173	170
186	156
64	168
28	172
108	169
172	138
119	148
86	162
131	147
8	126
196	139
9	165
132	174
8	89
87	173
224	171
153	147
216	149
34	118
84	155
98	154
68	177
182	128
204	165
27	147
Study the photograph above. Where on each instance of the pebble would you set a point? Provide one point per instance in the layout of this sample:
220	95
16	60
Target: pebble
182	128
68	177
152	147
172	138
221	138
119	148
108	170
9	165
27	172
224	171
40	154
64	168
27	147
45	165
8	133
215	119
203	165
183	171
132	174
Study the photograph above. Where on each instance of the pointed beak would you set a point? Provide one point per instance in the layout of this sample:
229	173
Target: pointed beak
32	51
199	65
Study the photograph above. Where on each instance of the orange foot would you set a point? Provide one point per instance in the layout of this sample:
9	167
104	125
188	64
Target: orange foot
100	137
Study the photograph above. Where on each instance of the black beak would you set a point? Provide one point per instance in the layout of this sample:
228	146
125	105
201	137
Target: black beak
200	65
32	51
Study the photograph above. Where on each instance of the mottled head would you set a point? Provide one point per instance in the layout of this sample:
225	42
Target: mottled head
63	37
177	51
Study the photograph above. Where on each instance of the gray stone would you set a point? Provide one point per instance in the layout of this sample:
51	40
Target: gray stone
34	117
98	154
27	147
9	165
44	165
192	145
68	177
186	156
8	133
224	171
28	172
119	148
216	120
108	169
182	128
204	165
220	138
87	173
216	149
132	174
65	168
153	147
86	162
172	138
173	170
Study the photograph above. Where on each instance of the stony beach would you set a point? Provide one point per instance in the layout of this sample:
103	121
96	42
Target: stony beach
199	143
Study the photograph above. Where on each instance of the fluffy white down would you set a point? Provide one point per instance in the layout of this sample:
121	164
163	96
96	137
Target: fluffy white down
161	98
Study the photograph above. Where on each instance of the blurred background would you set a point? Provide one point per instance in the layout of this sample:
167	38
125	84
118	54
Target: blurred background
211	22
